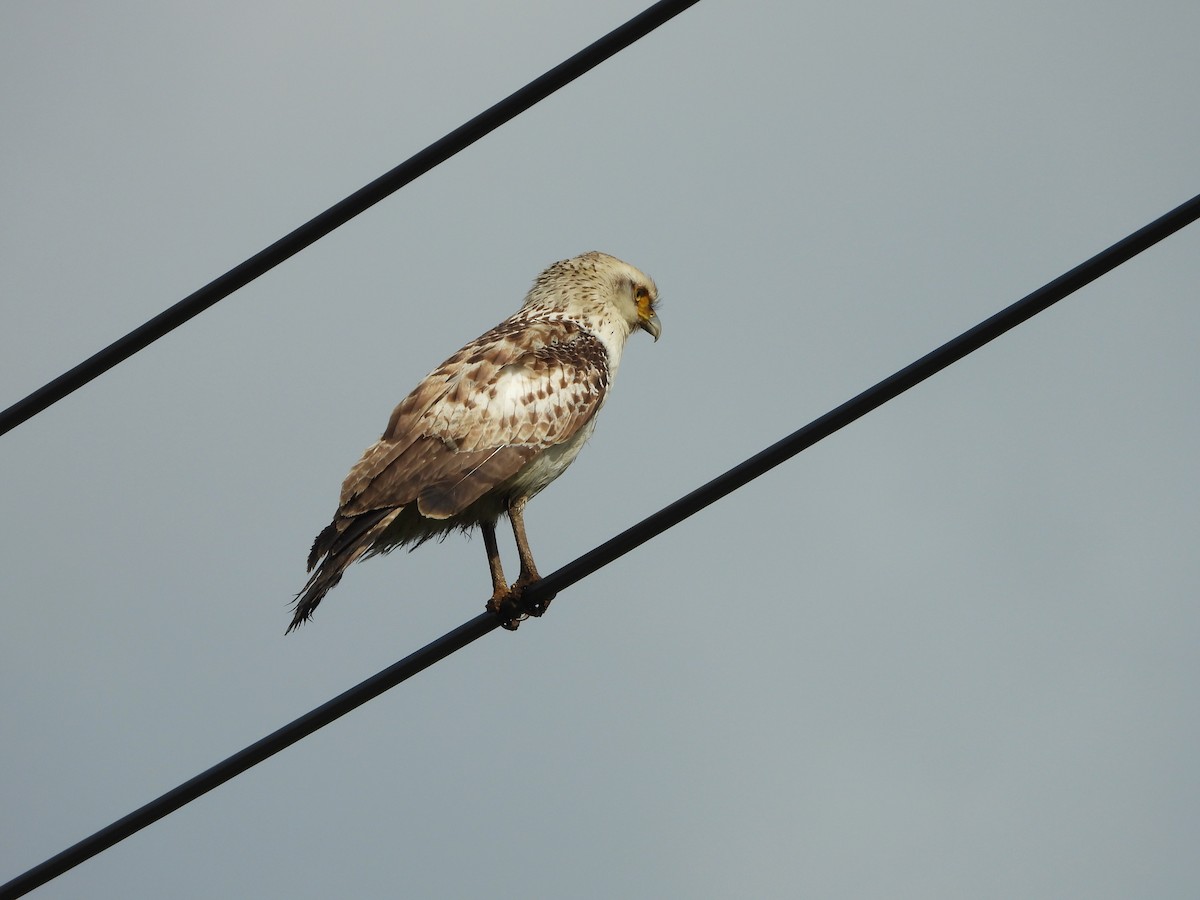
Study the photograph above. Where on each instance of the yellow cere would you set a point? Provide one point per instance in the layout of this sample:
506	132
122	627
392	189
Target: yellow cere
643	303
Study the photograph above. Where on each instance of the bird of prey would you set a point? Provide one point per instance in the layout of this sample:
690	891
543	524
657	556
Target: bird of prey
490	427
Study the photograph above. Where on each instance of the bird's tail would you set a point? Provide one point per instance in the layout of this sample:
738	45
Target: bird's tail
342	542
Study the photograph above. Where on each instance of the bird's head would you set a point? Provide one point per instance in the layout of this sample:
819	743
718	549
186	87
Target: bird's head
598	284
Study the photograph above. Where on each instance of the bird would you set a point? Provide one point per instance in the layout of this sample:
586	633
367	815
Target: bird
489	428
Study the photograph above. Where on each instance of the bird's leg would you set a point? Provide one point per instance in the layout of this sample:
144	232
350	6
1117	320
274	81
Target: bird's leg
529	573
499	587
501	595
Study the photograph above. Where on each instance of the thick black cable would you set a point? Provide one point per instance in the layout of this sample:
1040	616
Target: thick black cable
719	487
868	400
341	213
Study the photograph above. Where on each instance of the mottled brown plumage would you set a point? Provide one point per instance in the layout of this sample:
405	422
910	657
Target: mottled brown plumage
490	427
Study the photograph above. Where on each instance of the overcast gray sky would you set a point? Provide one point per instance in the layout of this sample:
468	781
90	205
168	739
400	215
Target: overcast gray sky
949	652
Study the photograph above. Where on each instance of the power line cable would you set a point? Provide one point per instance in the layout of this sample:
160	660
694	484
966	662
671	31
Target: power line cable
870	399
666	518
251	756
341	213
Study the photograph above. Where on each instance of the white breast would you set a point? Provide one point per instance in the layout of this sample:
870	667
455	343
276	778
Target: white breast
550	463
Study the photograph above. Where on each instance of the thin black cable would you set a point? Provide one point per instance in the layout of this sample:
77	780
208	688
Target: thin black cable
341	213
853	409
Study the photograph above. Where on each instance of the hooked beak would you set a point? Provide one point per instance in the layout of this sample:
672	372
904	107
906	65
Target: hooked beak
651	325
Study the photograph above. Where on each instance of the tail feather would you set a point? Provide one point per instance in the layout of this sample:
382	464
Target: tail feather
334	549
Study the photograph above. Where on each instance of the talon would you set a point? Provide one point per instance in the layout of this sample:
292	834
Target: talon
539	609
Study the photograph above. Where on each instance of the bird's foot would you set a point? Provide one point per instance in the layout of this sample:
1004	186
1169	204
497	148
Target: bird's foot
511	606
539	607
506	604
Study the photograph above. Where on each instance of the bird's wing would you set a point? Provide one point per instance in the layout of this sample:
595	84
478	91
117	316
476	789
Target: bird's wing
479	417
